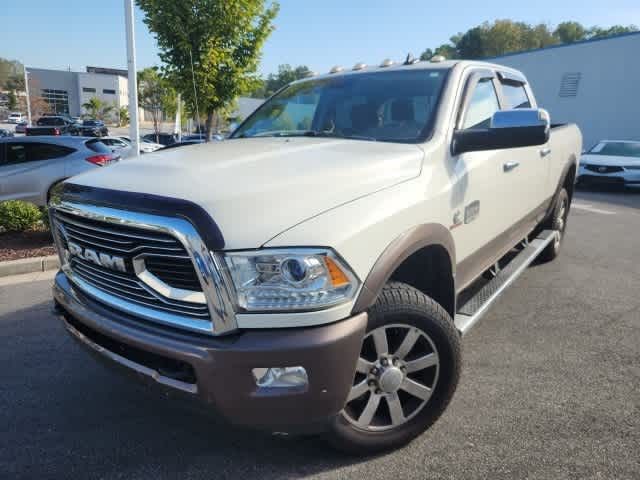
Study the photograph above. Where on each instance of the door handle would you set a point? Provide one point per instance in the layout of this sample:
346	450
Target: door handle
544	152
507	167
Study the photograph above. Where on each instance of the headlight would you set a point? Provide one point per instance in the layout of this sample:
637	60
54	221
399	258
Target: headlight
296	279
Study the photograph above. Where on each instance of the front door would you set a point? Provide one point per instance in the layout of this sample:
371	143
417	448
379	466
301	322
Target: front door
485	206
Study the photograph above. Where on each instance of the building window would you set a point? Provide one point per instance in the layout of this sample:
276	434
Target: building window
108	91
569	84
58	100
88	90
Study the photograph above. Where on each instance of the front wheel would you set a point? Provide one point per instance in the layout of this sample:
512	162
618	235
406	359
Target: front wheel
406	374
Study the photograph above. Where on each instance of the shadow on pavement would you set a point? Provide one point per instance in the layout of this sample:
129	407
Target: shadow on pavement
614	195
63	415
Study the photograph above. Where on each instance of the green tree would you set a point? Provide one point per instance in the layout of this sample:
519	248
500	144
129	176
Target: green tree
426	55
569	32
15	83
210	48
96	108
598	32
507	36
153	94
286	74
123	116
10	70
13	100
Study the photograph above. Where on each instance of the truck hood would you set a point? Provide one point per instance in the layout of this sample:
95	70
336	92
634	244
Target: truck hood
257	188
609	160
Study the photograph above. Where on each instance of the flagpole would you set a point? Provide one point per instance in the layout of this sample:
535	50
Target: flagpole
134	127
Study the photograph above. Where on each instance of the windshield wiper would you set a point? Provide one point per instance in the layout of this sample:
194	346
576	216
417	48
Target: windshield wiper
306	133
326	134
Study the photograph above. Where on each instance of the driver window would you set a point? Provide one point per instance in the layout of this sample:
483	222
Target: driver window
482	105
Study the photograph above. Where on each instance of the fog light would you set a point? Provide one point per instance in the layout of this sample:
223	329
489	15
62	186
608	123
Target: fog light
280	377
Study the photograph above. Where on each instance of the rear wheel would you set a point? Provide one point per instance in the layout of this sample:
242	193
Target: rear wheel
406	374
557	223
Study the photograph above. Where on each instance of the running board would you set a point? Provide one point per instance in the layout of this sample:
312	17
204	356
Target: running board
478	305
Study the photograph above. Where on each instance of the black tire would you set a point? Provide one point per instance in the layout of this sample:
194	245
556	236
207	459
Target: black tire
557	222
399	303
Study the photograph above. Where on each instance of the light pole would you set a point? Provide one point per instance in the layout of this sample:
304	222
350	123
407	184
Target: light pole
134	128
26	91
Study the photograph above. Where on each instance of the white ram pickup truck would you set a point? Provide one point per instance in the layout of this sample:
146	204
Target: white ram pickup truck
316	271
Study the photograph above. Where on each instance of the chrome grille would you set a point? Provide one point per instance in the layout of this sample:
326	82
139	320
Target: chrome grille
164	255
603	169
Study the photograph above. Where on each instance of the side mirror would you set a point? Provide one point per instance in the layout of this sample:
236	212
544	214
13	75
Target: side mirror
522	127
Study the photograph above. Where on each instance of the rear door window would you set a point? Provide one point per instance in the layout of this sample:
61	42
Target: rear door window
515	96
97	146
34	152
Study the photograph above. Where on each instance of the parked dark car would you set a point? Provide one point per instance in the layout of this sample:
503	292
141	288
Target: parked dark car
161	138
93	128
50	125
183	144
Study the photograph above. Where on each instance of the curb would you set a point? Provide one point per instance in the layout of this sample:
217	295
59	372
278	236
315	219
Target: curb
29	265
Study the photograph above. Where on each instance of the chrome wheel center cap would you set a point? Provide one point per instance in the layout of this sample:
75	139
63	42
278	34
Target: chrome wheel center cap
390	379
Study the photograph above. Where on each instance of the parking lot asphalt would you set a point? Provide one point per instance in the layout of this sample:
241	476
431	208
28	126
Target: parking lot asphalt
550	387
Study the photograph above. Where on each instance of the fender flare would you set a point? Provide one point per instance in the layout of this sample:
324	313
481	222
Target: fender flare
573	162
401	248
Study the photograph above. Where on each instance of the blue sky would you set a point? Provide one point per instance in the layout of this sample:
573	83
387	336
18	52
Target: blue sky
319	34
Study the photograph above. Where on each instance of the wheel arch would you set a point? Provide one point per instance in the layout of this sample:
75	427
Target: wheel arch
567	181
423	257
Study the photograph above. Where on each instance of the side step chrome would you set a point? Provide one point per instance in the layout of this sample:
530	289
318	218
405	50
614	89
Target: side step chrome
478	305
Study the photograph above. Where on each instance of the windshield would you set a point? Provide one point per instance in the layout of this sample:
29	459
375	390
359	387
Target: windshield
91	123
394	106
617	149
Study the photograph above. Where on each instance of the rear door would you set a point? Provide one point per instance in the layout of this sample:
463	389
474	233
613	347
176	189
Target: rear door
526	167
29	168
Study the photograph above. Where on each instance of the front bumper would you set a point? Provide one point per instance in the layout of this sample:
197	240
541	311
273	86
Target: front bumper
218	371
623	178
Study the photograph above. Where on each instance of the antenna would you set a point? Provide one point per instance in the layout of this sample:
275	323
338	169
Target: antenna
410	60
195	93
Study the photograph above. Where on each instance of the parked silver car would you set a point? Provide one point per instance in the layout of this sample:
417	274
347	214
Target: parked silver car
611	162
118	145
31	166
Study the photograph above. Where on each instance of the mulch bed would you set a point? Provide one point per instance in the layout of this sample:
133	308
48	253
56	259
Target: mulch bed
15	245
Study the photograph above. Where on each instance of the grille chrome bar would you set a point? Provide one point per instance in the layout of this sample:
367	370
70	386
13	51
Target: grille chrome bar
156	237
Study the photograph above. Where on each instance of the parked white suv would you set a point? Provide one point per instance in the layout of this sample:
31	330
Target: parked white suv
15	117
312	272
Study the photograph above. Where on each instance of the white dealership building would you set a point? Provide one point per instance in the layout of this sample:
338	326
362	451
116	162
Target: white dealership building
65	91
594	83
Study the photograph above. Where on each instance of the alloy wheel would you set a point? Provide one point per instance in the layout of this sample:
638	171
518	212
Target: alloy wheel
396	374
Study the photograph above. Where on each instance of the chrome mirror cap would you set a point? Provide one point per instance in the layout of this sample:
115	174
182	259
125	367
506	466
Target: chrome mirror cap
521	118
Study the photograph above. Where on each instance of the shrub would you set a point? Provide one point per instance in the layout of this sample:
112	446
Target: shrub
17	216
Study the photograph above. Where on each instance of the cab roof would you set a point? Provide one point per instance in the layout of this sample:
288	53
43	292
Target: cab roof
418	65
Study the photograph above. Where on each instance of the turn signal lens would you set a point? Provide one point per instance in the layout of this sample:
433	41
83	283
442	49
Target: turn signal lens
337	277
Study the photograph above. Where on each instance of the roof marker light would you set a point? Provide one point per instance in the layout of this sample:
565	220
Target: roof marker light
359	66
387	62
336	69
437	59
